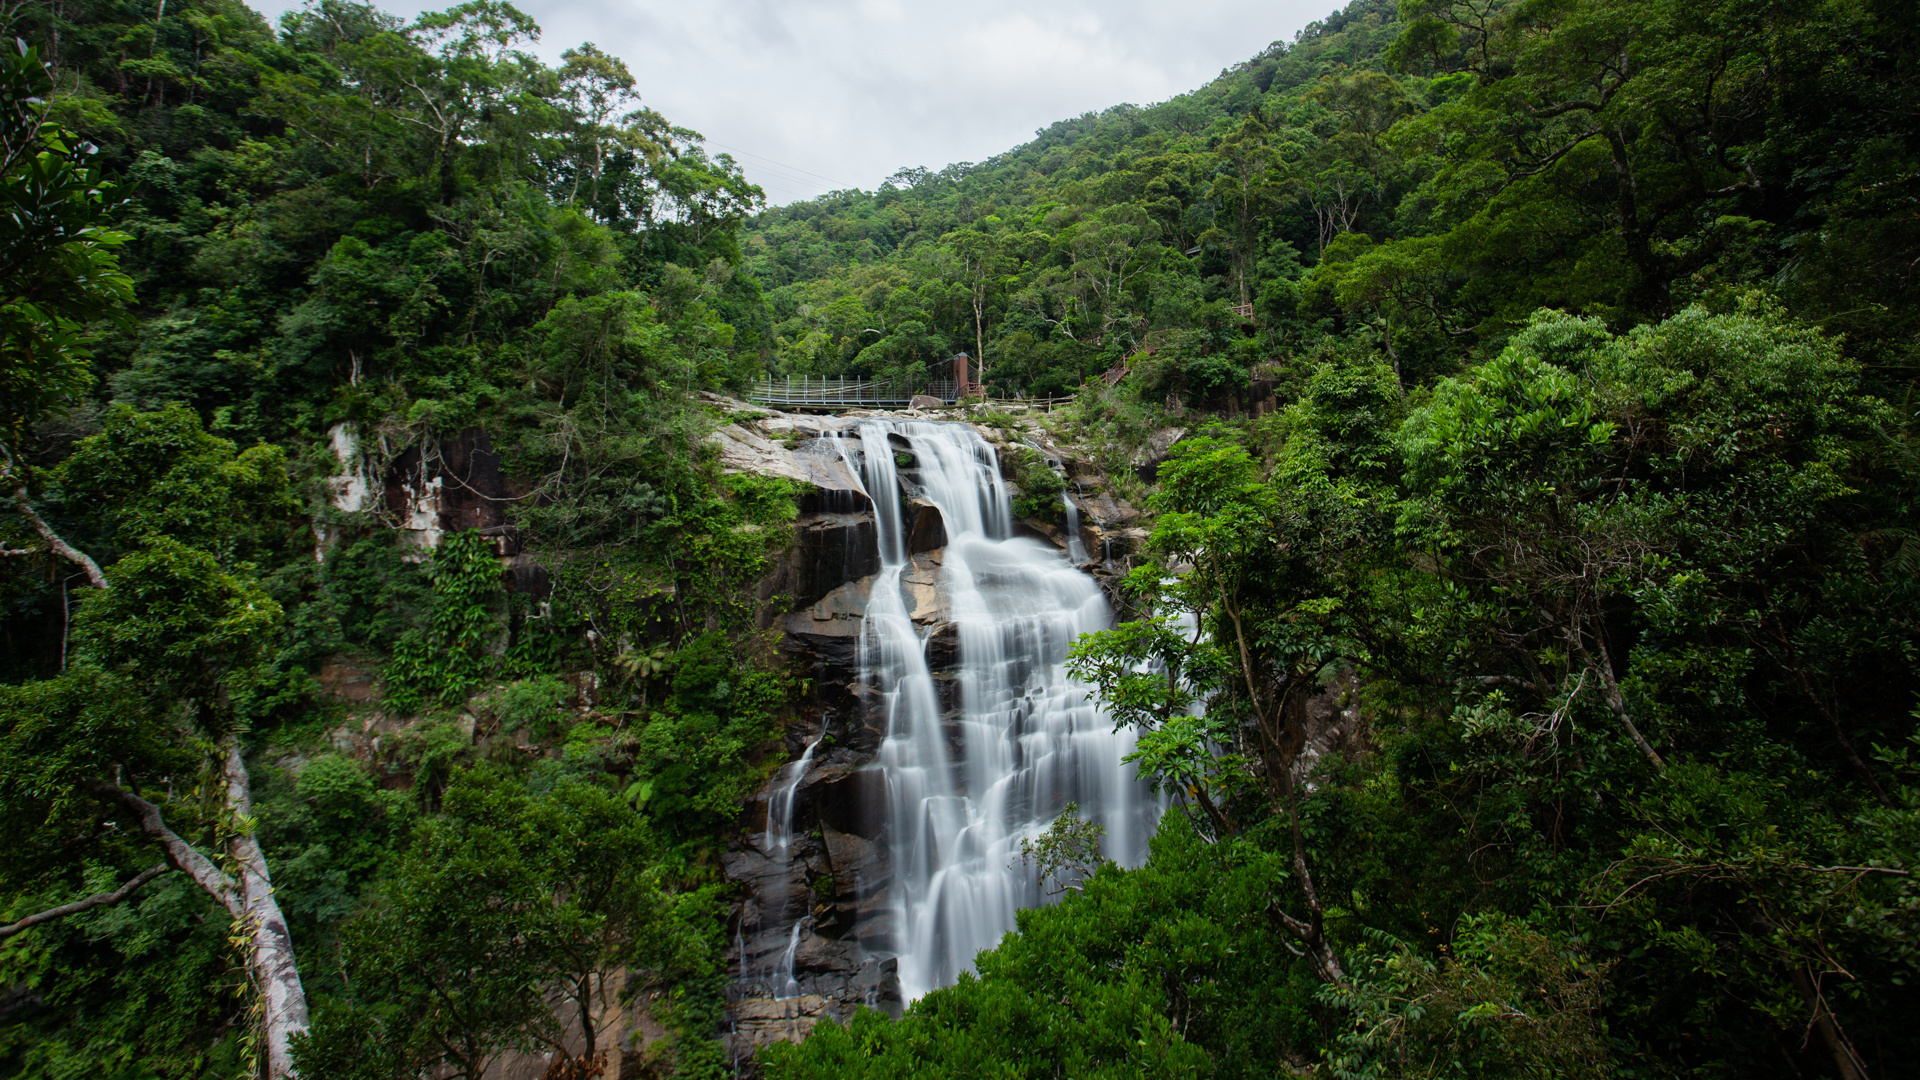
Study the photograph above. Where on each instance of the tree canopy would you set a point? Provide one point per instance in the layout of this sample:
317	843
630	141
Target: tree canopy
1520	396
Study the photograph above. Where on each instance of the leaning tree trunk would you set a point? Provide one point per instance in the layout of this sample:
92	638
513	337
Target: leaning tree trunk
272	945
248	899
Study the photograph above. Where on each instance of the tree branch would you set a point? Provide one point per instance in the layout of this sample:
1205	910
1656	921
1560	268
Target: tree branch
60	547
179	853
100	899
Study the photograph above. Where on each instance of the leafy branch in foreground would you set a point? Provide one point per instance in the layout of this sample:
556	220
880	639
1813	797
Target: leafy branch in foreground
1067	852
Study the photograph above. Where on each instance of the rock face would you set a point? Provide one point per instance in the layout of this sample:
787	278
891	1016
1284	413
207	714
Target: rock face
805	906
1146	464
1110	530
426	490
744	450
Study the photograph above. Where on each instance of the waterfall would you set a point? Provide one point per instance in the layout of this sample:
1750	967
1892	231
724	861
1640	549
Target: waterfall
1076	552
785	986
985	755
780	803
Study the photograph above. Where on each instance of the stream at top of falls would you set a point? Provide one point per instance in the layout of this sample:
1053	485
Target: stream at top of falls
972	771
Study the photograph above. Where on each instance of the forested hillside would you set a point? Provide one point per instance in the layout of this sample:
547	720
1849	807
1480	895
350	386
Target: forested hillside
1417	194
1543	374
347	243
1549	369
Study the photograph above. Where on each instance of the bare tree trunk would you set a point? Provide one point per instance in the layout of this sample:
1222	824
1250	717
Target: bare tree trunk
1845	1057
249	900
980	336
1602	666
273	961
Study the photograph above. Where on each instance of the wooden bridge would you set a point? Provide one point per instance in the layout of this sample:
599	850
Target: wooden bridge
822	394
813	392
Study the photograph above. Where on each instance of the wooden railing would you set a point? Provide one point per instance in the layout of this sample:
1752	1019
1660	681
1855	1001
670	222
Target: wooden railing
814	392
804	391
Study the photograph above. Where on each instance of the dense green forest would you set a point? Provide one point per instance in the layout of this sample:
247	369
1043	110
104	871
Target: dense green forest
1547	369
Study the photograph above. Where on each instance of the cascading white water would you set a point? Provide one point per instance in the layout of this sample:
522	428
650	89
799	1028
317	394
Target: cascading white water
1020	737
1076	551
780	802
785	986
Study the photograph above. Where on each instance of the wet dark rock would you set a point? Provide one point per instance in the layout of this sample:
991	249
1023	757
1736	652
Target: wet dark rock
928	531
943	647
525	575
830	550
828	631
847	800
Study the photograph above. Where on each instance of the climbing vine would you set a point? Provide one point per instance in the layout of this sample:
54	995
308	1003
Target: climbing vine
448	660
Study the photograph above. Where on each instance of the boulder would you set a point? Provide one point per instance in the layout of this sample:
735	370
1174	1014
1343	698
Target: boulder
943	647
828	631
923	587
1146	463
928	531
925	401
1107	510
1120	543
743	450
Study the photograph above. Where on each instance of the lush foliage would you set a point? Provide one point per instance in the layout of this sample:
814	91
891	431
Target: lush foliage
1637	793
1525	640
389	236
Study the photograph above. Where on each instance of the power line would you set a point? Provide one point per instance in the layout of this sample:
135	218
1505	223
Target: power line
788	177
785	191
785	184
782	164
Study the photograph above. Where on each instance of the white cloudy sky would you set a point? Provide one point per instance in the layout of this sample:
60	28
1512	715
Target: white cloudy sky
813	95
